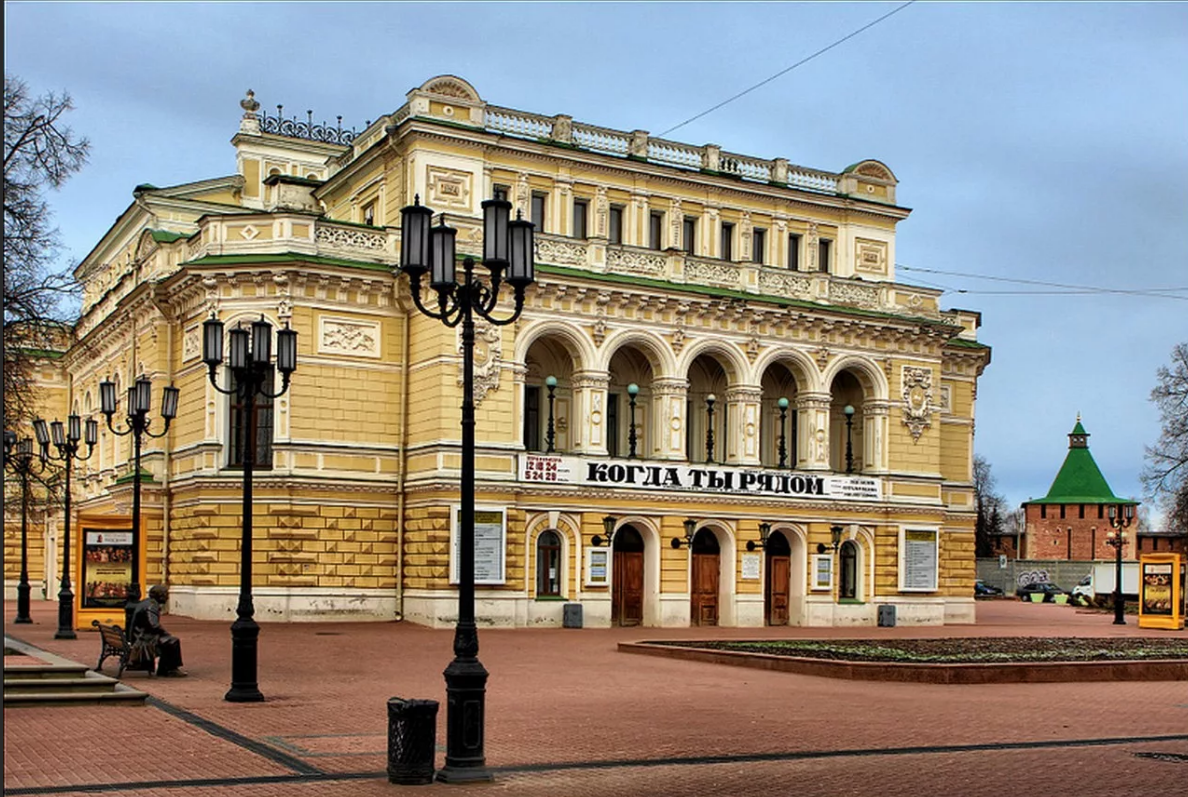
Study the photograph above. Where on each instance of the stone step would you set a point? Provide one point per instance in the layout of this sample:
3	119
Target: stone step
121	694
91	682
56	681
43	672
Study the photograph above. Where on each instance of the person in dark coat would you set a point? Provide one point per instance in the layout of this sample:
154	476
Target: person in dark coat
147	631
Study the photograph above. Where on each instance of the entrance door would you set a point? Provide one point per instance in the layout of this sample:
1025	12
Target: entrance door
704	610
627	577
779	563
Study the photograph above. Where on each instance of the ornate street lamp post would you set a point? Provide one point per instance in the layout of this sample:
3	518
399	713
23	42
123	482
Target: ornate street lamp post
709	428
249	365
18	458
140	396
783	405
66	441
849	411
1120	519
551	434
507	247
632	392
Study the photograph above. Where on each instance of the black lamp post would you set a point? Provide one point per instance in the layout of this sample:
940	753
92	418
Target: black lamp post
1120	519
507	246
18	458
849	411
66	440
764	533
632	392
140	396
608	528
551	434
690	533
709	428
783	405
249	362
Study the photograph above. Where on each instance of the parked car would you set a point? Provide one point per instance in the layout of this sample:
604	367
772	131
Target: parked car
1084	590
1045	588
984	590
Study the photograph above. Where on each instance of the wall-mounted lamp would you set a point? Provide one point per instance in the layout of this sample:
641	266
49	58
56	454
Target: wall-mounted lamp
608	527
690	532
835	535
764	533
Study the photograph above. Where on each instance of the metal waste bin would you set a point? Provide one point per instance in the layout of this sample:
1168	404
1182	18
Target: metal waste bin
887	615
571	615
412	740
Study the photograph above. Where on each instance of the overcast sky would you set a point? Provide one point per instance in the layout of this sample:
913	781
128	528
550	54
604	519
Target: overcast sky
1043	142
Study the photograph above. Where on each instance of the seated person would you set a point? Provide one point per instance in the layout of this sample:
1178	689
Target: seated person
146	630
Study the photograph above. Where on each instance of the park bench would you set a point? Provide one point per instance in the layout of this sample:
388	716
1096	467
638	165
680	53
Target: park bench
137	654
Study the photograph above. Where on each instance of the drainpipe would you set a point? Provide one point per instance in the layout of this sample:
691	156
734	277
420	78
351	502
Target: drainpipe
401	468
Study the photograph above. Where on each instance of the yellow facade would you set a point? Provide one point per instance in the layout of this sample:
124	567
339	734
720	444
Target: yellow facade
688	271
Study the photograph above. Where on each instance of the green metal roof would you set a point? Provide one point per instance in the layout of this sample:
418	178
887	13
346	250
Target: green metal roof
1079	480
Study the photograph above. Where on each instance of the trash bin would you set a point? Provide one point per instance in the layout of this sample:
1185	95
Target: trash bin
887	615
571	615
412	740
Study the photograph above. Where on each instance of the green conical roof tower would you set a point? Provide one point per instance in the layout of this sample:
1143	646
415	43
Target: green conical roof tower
1079	480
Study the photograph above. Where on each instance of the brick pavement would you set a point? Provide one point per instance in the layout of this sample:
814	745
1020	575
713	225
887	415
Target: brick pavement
567	714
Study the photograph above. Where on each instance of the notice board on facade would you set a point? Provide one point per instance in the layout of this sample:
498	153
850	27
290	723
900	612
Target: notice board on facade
490	543
107	567
1161	591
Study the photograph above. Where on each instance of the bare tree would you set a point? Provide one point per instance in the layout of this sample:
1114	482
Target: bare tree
40	152
991	506
1166	473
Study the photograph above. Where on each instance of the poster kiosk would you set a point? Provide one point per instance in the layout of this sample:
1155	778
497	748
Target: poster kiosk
1162	586
105	551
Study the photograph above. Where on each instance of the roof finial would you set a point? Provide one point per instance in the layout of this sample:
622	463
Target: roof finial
1078	416
250	122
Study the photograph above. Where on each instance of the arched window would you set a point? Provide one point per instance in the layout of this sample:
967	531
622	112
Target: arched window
261	423
548	564
848	585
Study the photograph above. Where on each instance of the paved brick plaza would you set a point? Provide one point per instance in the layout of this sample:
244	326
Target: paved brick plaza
568	715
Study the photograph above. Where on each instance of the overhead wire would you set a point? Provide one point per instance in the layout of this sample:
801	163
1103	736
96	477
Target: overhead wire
786	70
1066	289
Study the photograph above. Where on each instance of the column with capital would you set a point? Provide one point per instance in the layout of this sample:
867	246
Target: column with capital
812	444
875	417
742	418
589	415
669	397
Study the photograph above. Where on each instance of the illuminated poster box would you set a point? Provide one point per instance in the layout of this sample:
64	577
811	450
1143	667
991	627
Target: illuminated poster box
1161	591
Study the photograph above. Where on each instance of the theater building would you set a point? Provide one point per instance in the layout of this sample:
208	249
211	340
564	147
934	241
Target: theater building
716	351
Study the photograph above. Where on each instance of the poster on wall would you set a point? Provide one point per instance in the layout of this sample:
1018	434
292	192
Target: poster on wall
107	568
822	571
1157	588
490	542
750	567
597	567
918	561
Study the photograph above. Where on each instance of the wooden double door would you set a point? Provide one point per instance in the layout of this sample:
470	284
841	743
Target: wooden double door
704	586
779	577
627	578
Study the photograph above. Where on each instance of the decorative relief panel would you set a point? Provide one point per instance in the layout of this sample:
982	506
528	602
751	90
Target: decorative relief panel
488	359
191	344
946	399
350	239
646	264
448	188
917	399
710	272
348	336
790	286
852	293
561	253
870	256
